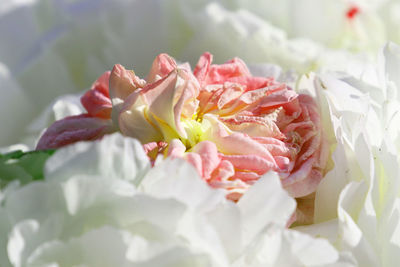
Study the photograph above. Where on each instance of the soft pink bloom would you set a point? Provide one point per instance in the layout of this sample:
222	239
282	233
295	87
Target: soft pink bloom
272	127
232	127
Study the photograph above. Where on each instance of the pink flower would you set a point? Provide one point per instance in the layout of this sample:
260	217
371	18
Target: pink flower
232	127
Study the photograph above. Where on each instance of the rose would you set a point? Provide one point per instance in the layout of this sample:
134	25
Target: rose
231	126
100	204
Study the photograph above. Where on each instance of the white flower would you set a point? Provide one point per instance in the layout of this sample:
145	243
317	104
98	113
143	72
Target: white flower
357	203
377	87
100	205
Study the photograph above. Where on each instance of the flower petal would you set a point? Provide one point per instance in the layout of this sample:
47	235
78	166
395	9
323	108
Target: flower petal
209	157
97	100
122	83
134	121
162	66
73	129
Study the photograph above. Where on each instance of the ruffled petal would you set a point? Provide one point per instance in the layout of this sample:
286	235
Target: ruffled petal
162	66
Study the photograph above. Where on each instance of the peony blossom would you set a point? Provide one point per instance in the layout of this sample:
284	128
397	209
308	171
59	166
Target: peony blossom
231	126
357	203
102	198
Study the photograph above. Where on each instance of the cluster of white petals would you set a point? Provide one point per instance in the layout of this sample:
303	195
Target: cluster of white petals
357	203
101	204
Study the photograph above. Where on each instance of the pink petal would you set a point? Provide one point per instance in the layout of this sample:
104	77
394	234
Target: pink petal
73	129
268	140
223	172
250	162
303	181
102	84
248	176
97	100
283	163
251	101
209	157
122	83
208	98
278	98
195	160
162	66
241	144
252	83
230	93
253	126
277	147
202	68
232	68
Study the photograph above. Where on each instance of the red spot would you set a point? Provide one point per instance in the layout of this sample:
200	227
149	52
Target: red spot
352	12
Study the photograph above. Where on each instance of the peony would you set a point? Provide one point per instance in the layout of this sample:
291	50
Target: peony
356	205
102	198
233	127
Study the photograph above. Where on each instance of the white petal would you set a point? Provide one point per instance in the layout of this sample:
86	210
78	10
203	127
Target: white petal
115	156
265	202
173	178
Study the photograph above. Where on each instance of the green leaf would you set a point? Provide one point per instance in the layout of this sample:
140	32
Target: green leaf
22	166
